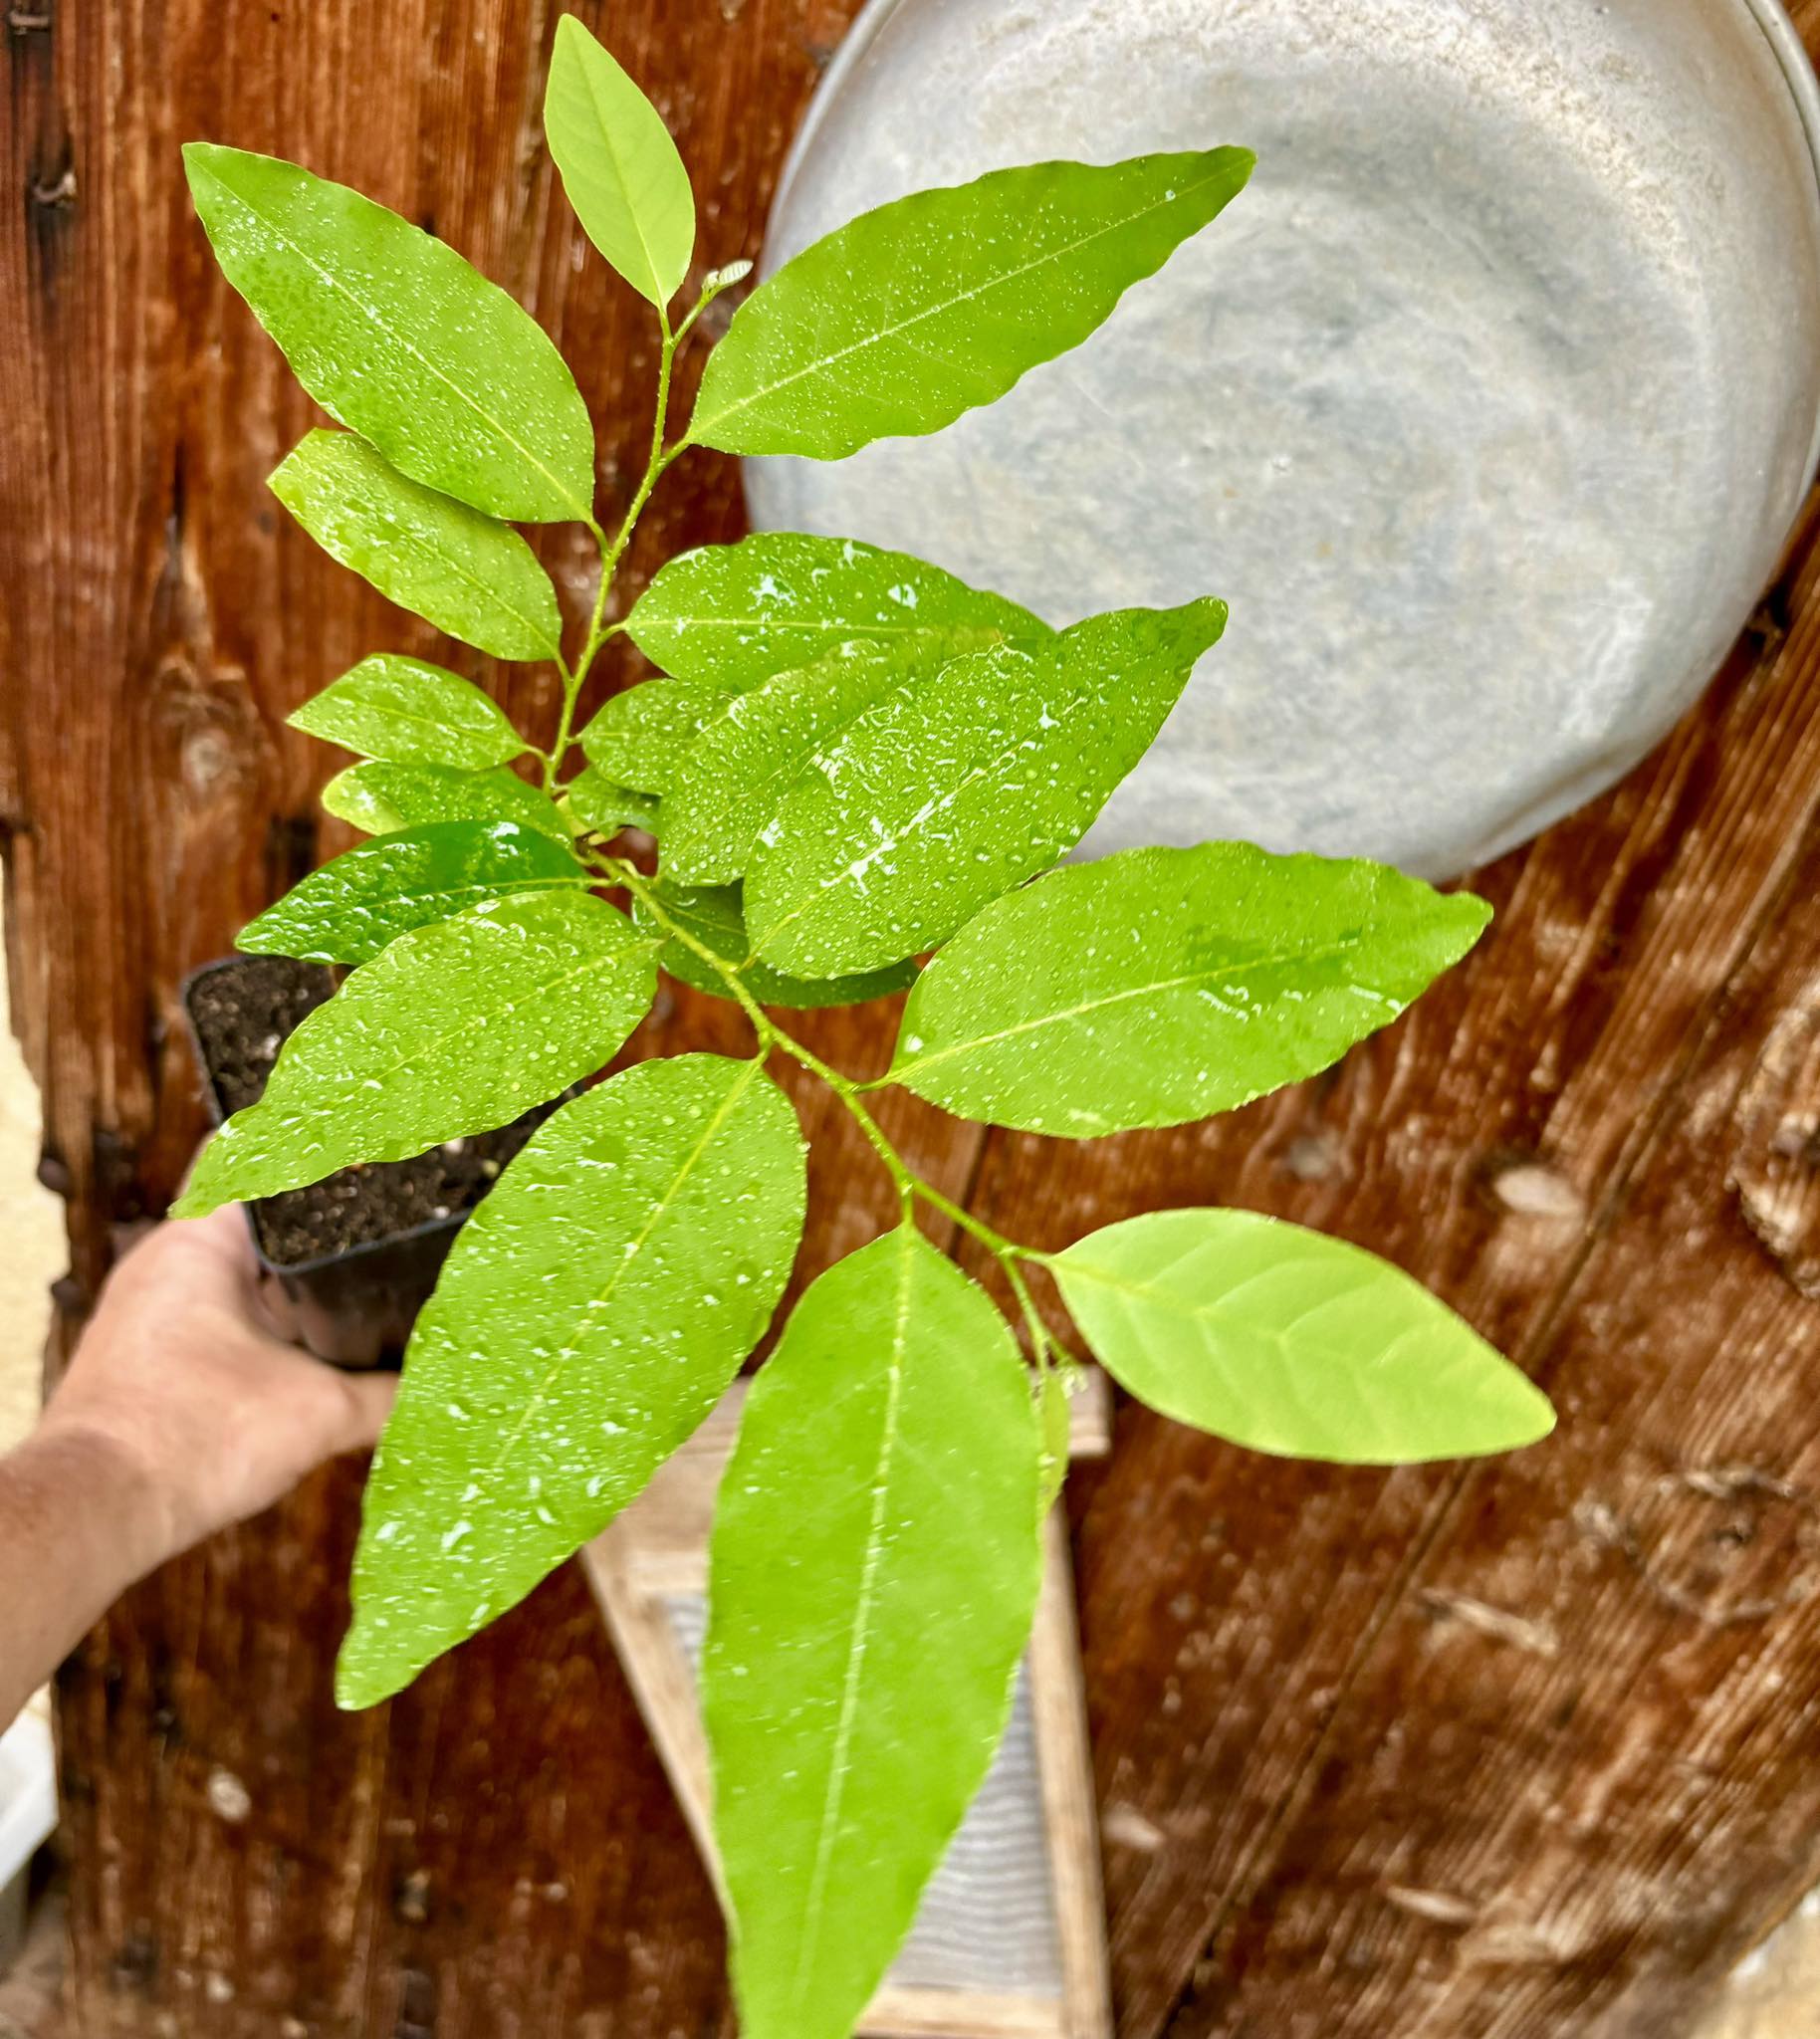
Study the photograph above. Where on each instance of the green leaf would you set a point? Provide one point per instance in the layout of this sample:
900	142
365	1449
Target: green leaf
592	1312
737	613
732	778
620	166
453	1029
383	798
398	338
605	807
475	579
1284	1341
638	738
1159	985
903	319
371	894
956	786
390	706
713	917
873	1574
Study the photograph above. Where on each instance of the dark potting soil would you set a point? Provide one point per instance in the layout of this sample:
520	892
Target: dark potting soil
242	1013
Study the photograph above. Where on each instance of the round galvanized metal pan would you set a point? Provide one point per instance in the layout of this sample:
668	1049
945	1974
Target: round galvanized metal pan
1488	406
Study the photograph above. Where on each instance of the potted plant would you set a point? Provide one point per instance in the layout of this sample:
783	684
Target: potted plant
849	761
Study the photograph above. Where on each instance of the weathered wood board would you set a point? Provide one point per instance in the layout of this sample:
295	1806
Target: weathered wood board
1523	1749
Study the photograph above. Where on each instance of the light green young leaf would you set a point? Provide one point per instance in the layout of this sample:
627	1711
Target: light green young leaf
390	706
861	1650
398	338
1285	1341
1053	1415
639	738
475	579
713	917
599	804
382	796
620	166
1159	985
371	894
453	1029
903	319
735	614
592	1312
956	786
733	778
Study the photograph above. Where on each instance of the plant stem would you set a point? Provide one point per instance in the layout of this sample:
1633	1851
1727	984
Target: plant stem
910	1185
613	550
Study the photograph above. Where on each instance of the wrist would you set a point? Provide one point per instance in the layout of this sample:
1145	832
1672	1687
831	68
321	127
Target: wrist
91	1468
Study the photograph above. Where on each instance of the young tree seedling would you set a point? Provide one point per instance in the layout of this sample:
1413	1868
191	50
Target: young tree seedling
862	776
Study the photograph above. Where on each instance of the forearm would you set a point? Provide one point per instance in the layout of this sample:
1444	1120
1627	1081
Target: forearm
80	1521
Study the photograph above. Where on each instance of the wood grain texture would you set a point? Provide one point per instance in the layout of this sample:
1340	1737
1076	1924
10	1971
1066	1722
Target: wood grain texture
1525	1749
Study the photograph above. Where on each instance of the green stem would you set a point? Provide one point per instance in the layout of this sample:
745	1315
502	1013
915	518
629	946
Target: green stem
910	1185
613	550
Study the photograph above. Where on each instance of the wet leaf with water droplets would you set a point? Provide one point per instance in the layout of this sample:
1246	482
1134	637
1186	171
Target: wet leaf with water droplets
601	804
475	579
399	338
712	915
733	778
382	796
903	319
390	706
592	1312
873	1573
1157	986
369	895
779	599
640	736
453	1029
1285	1341
958	786
620	166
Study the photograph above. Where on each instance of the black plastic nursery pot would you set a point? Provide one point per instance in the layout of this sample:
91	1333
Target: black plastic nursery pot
347	1263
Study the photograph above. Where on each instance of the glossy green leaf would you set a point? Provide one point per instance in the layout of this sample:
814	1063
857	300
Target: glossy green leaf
1284	1341
1053	1419
592	1312
599	804
732	778
712	915
371	894
475	579
873	1572
956	786
398	338
390	706
639	738
903	319
453	1029
382	796
735	614
1159	985
620	166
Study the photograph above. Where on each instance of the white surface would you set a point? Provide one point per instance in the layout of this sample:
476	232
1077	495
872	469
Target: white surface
28	1793
1486	406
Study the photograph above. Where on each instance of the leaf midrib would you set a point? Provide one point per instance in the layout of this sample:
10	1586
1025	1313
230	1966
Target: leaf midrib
658	296
749	1070
857	1633
1009	275
977	1043
373	318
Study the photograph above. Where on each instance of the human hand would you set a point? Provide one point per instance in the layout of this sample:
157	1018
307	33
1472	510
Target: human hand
204	1416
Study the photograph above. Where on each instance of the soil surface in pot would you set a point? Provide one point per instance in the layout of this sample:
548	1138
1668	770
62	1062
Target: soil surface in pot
242	1014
